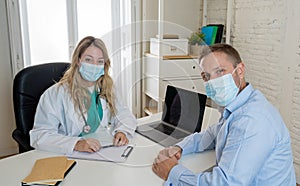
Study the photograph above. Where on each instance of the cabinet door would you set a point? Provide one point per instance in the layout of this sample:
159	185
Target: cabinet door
151	87
195	85
179	68
151	66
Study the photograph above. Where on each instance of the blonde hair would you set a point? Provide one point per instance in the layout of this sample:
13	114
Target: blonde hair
73	79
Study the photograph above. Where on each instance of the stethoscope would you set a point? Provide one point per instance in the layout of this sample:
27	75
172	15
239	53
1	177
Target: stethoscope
87	128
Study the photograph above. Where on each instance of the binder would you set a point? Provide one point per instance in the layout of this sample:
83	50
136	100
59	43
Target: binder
210	33
219	32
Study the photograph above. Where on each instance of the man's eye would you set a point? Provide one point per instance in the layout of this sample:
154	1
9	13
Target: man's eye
205	76
220	71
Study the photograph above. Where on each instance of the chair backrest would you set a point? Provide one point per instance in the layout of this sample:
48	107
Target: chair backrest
29	84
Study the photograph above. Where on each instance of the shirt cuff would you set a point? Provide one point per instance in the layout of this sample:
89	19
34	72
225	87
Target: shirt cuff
174	175
73	144
183	152
124	132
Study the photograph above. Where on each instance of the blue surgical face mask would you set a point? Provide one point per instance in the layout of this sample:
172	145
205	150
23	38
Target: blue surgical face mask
221	90
91	72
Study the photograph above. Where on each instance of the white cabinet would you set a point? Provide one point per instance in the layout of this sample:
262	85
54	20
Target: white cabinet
168	17
171	17
159	72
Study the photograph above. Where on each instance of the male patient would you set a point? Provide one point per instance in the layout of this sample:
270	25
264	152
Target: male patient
251	141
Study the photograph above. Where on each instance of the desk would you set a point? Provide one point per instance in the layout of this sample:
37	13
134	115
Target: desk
137	170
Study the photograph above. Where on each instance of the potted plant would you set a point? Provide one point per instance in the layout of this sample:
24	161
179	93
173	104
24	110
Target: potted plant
196	42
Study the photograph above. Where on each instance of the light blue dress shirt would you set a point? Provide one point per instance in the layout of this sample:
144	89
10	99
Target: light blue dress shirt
252	146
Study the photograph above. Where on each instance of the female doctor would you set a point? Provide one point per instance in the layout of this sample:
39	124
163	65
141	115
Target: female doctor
80	103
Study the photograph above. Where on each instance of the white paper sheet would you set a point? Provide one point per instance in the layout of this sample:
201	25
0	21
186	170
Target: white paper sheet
114	154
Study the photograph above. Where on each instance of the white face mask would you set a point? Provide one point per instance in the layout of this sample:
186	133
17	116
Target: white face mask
222	90
91	72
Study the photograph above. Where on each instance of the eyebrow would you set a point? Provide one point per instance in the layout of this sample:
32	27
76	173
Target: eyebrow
87	55
214	68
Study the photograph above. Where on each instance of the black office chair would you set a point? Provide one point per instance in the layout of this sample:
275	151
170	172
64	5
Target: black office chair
29	85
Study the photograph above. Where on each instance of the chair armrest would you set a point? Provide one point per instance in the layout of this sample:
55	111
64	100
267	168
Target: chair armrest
22	140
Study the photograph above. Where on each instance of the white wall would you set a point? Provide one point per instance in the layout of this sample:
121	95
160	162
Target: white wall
183	14
267	34
7	124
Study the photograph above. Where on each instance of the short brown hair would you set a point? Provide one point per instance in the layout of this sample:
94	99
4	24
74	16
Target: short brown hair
231	53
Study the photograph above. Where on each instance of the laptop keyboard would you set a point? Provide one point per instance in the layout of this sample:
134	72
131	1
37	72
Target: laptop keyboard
171	131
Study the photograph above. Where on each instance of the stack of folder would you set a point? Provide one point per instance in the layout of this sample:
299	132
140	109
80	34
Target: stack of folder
213	33
49	171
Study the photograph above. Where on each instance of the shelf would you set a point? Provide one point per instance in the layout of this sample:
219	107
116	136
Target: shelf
178	57
155	98
150	110
151	106
172	57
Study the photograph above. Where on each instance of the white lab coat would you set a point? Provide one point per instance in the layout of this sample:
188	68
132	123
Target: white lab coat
57	125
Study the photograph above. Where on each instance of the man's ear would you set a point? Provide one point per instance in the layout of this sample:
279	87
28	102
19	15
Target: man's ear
241	70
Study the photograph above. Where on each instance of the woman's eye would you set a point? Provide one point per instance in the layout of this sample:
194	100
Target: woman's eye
101	62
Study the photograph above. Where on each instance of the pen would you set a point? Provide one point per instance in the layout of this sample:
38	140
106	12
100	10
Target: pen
116	142
106	146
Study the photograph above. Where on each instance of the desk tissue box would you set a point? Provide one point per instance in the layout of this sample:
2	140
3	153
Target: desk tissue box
169	47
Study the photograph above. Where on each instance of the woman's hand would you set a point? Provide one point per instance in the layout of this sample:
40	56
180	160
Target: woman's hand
87	145
120	139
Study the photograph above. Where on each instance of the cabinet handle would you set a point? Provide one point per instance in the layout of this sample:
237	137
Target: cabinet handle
173	49
194	67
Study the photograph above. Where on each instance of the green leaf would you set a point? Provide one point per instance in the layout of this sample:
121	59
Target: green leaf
197	38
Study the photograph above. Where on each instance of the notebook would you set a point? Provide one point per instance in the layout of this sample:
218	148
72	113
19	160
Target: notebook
49	171
182	115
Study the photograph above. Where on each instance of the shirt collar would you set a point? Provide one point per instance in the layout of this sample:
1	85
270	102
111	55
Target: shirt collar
240	100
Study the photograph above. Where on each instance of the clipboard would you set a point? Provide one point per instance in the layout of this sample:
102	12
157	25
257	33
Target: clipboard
111	154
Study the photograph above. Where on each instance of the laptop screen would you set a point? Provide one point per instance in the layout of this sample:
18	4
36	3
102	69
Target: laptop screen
184	109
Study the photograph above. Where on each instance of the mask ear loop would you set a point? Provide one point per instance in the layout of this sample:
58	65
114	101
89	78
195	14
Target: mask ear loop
239	78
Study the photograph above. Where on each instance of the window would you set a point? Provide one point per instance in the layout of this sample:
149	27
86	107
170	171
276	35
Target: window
48	30
47	27
94	18
47	38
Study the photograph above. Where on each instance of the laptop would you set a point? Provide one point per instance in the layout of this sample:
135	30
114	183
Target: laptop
182	115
